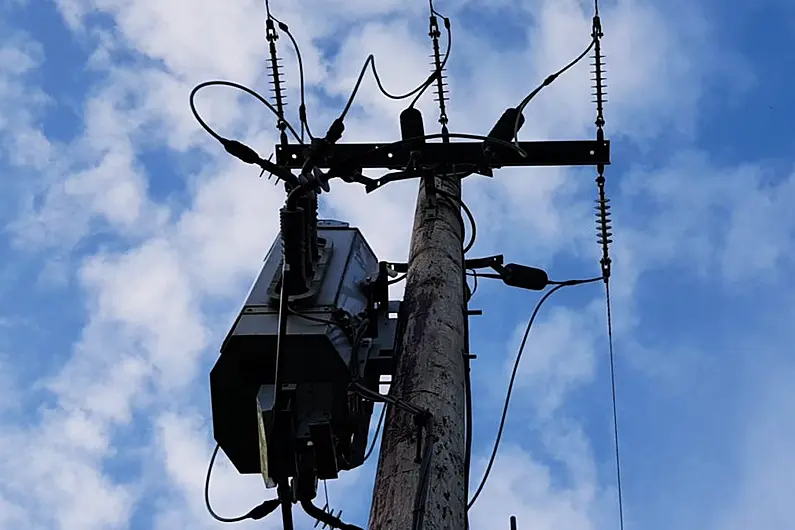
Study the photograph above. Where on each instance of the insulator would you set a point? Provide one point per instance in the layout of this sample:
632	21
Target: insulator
294	246
503	129
329	511
412	126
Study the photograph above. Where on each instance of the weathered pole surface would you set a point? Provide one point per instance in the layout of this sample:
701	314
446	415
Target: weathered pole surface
429	374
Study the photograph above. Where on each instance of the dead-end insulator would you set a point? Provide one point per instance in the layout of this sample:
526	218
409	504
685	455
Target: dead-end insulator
275	69
294	248
604	226
598	72
441	84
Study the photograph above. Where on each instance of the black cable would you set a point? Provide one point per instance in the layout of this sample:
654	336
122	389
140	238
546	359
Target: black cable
615	411
258	512
421	88
475	276
548	81
302	109
513	378
422	415
396	280
489	275
377	431
420	497
468	416
459	202
466	136
239	87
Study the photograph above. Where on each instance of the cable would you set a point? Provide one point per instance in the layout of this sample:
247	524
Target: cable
397	280
615	412
377	431
239	87
475	275
258	512
513	378
420	498
423	417
421	88
459	202
468	414
548	81
466	136
302	109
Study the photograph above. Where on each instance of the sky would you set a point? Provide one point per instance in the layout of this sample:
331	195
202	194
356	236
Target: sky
130	239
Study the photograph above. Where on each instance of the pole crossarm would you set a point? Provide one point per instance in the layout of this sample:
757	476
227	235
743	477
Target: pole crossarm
373	155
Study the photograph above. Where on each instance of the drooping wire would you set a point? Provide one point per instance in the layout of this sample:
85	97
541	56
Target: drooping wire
513	378
474	274
370	61
237	86
258	512
377	432
548	81
458	202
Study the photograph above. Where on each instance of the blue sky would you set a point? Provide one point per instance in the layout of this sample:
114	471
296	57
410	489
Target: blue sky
130	239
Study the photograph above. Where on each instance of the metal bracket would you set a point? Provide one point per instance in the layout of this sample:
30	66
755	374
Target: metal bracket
399	156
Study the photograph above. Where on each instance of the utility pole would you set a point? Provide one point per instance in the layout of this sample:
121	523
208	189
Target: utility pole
429	373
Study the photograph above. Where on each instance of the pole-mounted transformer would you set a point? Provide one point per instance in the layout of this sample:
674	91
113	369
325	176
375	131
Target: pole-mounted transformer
337	330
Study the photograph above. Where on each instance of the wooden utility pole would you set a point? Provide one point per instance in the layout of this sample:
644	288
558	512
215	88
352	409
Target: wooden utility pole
429	374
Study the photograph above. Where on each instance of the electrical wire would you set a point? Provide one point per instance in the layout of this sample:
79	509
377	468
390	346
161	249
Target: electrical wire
421	88
615	411
242	88
459	202
467	416
474	275
420	498
513	378
258	512
302	109
465	136
377	431
548	81
425	464
396	280
207	494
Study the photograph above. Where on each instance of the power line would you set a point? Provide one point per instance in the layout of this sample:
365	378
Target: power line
513	378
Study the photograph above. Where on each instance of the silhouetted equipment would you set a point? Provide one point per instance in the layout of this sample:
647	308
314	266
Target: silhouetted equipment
337	330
